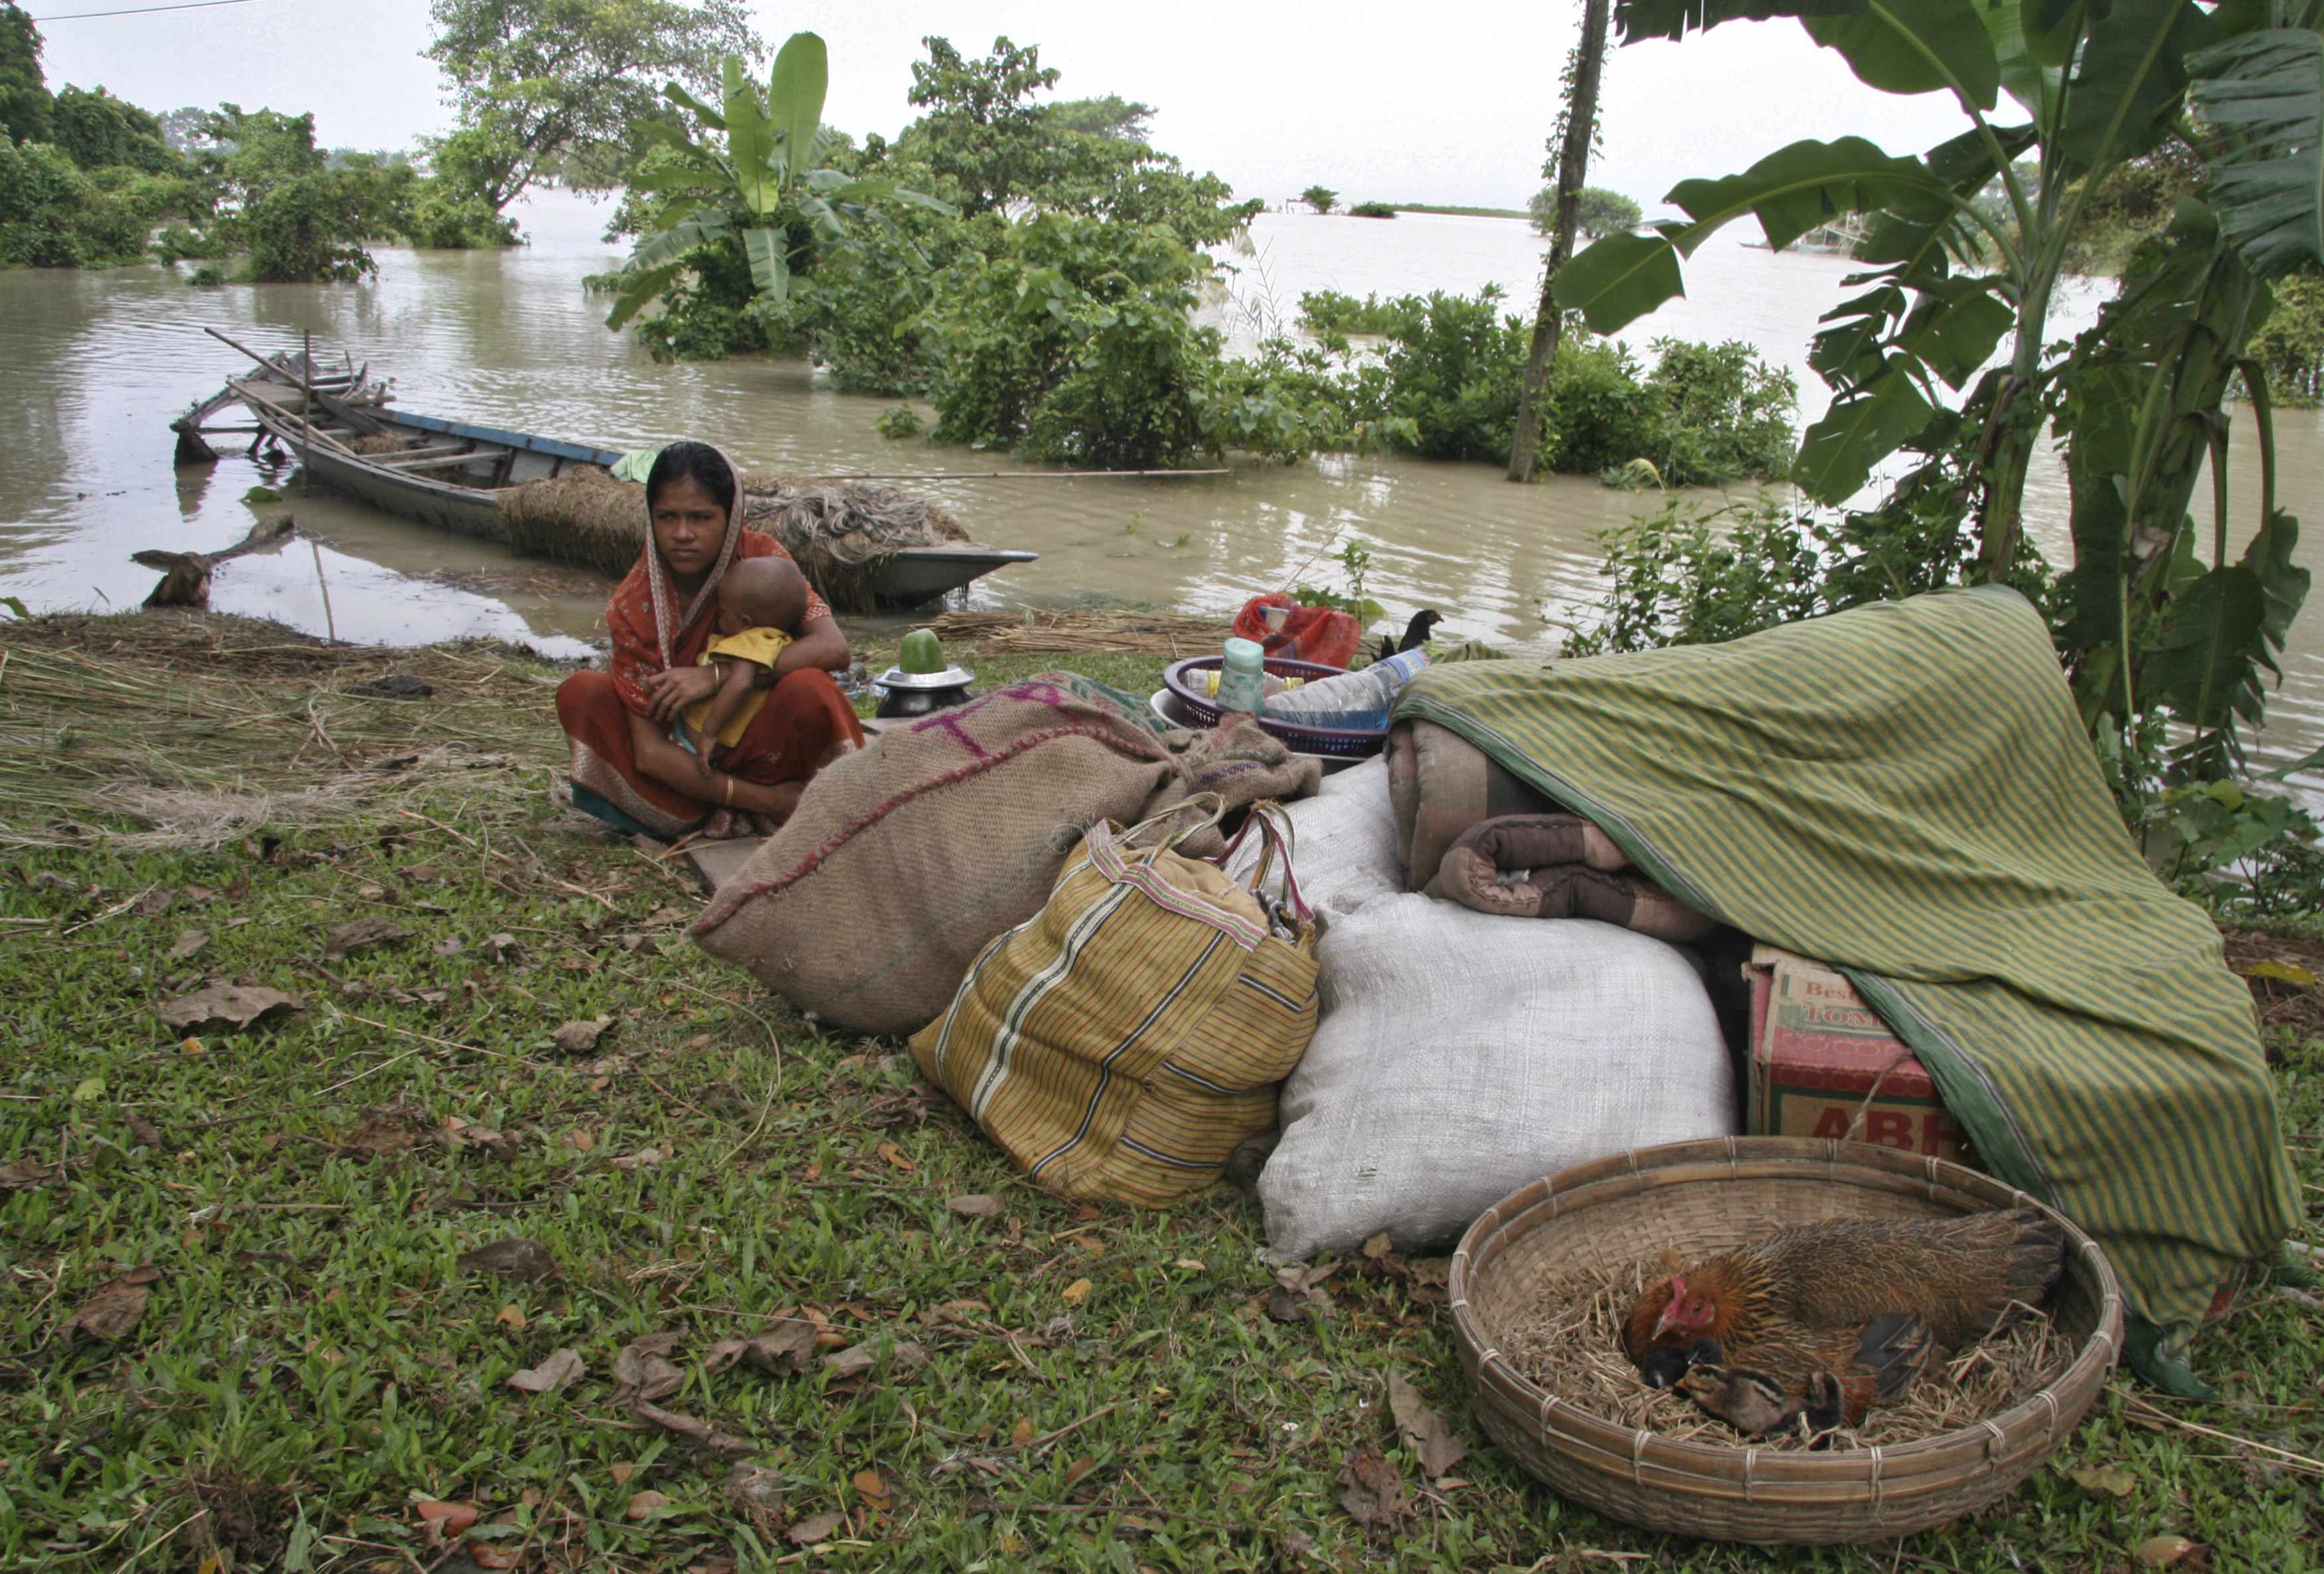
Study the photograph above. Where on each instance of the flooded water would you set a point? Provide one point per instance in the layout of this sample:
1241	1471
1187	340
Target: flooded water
99	363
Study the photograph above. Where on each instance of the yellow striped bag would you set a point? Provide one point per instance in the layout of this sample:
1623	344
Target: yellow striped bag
1121	1041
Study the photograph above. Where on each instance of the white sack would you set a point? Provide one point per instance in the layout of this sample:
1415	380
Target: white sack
1343	843
1460	1055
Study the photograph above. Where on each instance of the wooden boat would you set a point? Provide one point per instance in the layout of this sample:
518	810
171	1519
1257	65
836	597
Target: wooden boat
448	473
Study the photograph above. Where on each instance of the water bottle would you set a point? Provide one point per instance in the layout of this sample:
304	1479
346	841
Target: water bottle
1351	701
1242	677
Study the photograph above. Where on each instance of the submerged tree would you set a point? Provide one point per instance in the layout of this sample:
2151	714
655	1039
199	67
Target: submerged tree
1599	211
537	82
24	101
1577	134
747	180
1321	198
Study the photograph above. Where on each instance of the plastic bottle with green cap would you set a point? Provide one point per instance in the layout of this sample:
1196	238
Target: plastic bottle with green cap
1242	677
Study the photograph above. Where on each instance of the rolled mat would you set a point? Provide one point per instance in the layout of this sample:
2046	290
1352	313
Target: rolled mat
1907	791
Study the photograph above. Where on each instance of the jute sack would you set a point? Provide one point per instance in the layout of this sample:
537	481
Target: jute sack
1122	1041
905	857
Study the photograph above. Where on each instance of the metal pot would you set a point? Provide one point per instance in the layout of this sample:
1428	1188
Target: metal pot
908	694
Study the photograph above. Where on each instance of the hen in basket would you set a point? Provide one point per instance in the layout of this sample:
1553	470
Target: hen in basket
1799	1288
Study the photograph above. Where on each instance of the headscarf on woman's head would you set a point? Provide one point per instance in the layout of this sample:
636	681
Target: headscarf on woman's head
695	462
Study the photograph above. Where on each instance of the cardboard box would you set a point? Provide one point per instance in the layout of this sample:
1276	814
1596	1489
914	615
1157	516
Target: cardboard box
1817	1049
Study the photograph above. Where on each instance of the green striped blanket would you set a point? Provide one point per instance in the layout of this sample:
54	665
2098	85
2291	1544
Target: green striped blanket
1906	790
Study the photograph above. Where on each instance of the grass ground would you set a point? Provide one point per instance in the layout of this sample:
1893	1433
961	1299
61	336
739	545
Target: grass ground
314	1381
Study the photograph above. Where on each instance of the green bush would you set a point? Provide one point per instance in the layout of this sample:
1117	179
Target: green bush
900	424
1371	210
2290	343
303	230
1600	414
1726	413
52	215
442	216
1455	365
1328	311
1067	307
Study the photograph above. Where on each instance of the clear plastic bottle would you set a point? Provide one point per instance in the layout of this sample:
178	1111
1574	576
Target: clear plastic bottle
1242	677
1355	701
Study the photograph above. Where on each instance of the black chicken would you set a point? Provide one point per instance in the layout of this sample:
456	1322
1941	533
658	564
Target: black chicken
1415	635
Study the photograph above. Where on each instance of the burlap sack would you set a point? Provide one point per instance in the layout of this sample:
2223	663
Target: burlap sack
905	859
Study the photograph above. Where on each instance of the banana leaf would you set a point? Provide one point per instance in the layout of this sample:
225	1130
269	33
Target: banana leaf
2265	91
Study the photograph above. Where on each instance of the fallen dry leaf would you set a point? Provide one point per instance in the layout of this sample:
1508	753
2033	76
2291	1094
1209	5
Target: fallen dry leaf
641	1373
192	1046
1375	1498
513	1258
561	1367
788	1349
364	934
1022	1432
1378	1246
643	1503
620	1471
379	1134
2161	1551
510	1315
756	1494
1077	1469
464	1133
144	1130
644	1159
24	1174
502	946
189	942
1438	1446
578	1038
1192	1266
895	1155
857	1359
581	1139
708	1439
446	1521
874	1490
484	1555
227	1008
449	946
113	1312
814	1529
2107	1481
1076	1292
975	1205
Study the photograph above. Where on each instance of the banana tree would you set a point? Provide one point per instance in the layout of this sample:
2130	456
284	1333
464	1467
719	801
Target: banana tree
2095	83
747	173
1952	279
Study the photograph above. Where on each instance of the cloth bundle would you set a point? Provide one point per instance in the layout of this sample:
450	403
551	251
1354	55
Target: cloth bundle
906	858
1468	831
1907	791
1303	633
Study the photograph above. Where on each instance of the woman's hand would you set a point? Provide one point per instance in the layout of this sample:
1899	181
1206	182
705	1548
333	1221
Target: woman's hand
669	692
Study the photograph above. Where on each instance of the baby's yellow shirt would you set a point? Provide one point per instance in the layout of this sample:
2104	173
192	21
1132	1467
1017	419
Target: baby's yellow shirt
759	646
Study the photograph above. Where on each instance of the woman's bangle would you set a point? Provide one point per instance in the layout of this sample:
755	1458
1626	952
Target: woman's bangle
729	799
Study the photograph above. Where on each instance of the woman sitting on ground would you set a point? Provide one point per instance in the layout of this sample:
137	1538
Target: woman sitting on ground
630	767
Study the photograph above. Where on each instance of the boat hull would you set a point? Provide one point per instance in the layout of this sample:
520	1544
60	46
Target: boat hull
444	497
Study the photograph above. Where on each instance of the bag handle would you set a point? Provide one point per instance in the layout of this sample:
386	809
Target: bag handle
1277	834
1216	813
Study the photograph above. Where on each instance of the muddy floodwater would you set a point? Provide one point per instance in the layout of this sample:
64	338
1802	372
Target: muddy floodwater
97	363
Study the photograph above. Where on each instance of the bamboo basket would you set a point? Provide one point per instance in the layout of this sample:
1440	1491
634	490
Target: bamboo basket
1704	1196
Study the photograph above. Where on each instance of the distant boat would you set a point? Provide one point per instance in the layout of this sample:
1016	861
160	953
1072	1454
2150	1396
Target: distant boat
450	474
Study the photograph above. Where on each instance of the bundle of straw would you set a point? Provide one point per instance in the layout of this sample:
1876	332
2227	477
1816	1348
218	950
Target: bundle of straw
1085	631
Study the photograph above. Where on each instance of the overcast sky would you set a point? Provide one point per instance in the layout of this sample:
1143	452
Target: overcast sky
1444	104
